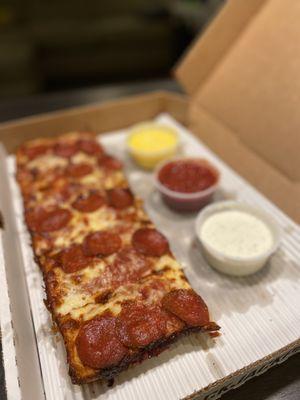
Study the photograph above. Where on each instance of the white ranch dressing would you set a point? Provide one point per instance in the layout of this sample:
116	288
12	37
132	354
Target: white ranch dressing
237	233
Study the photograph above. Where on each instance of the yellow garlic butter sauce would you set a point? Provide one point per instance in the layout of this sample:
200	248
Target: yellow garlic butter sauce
149	144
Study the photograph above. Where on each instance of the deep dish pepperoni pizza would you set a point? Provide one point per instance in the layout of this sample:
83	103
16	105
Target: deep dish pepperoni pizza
113	287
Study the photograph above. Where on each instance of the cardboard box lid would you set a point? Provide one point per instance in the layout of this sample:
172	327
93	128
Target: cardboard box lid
244	72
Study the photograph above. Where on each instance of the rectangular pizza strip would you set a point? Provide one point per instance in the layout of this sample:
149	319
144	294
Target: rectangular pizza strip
113	286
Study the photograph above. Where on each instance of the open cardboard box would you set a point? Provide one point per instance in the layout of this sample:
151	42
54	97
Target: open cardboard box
242	78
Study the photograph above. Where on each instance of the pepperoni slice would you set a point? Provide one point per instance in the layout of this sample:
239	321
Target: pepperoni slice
120	198
55	220
89	203
110	162
90	147
31	218
66	191
138	325
187	305
173	323
97	344
24	177
129	266
40	220
36	151
65	149
60	190
79	170
102	243
150	242
156	288
73	259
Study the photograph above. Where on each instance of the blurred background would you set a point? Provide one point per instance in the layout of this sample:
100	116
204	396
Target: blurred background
57	45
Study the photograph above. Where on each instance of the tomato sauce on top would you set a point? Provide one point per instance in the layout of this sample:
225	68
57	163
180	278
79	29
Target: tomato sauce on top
187	176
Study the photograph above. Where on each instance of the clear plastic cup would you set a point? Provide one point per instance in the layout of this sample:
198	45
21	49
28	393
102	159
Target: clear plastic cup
233	265
149	158
180	201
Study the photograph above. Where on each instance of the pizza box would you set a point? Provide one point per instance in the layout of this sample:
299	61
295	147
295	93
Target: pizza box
241	79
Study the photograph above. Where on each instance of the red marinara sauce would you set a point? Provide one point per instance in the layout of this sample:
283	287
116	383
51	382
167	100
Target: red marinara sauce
187	183
187	176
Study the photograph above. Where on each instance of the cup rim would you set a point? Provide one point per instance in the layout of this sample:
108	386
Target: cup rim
237	205
134	130
186	196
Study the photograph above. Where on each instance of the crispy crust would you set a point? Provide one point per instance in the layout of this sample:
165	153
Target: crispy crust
153	350
57	284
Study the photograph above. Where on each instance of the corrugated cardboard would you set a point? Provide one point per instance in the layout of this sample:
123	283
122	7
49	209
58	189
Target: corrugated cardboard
102	117
243	78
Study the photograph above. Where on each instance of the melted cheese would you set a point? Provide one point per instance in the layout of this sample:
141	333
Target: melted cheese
75	298
47	162
81	157
72	297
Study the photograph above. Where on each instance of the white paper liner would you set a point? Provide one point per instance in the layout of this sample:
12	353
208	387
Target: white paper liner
259	315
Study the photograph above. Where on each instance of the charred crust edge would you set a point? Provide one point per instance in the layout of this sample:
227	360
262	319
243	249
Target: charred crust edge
1	221
108	374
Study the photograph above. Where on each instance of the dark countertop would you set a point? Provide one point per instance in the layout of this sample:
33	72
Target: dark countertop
25	106
2	379
281	382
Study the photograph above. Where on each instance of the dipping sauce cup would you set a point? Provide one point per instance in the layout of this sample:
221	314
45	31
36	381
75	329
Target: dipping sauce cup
237	239
186	183
150	143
